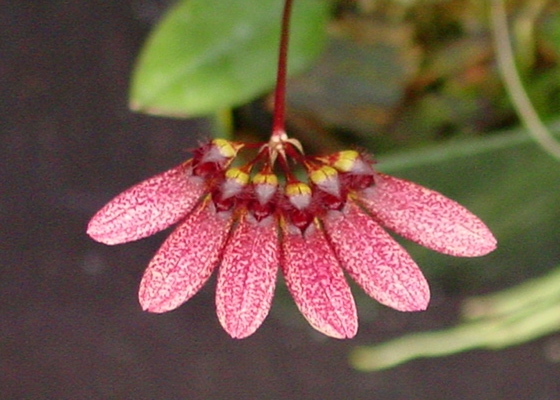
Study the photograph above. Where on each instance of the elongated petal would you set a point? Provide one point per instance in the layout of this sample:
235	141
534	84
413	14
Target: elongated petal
375	261
427	217
186	259
317	283
247	276
147	207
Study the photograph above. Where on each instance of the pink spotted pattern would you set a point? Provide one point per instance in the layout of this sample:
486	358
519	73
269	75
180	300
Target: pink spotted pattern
375	261
247	276
186	259
317	282
427	217
250	221
148	207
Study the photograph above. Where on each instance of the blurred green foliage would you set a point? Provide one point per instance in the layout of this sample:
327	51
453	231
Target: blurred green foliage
409	73
495	321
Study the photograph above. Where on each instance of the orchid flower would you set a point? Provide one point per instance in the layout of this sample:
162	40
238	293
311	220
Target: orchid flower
251	224
249	219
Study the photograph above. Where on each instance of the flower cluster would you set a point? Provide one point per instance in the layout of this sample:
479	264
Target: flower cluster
252	218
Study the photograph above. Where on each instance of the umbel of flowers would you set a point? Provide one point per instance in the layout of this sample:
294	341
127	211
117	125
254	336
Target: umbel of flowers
249	219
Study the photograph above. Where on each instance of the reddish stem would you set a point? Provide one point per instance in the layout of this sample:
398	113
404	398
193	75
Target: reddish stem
280	91
290	178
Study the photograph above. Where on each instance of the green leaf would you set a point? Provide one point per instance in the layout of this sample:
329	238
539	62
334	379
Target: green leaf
207	55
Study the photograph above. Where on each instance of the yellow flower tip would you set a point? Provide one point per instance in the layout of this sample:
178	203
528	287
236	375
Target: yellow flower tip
299	195
322	175
226	148
265	185
238	175
350	161
297	189
265	179
345	161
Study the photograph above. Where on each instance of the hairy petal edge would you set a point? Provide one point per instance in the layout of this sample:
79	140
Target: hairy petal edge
316	282
426	217
186	259
247	276
148	207
375	260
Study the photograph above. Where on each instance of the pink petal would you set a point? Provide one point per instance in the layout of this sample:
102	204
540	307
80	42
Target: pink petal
373	259
317	282
427	217
186	259
147	207
247	276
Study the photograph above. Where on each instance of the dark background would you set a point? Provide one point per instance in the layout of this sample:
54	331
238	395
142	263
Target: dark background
70	325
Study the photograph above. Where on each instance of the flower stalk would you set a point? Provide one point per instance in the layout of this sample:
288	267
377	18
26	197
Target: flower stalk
278	124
